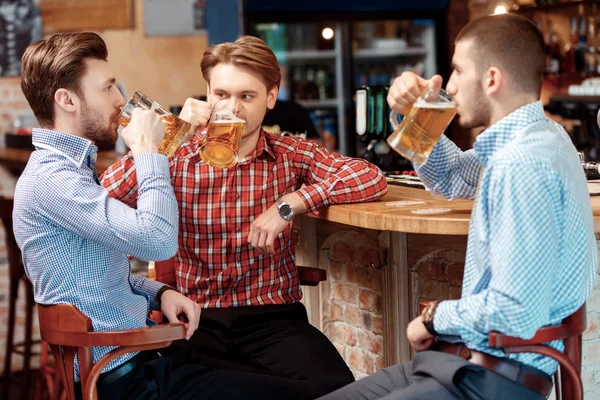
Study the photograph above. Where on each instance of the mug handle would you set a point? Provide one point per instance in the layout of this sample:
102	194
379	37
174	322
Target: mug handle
394	119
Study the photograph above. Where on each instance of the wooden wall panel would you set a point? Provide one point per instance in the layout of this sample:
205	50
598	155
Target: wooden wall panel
86	15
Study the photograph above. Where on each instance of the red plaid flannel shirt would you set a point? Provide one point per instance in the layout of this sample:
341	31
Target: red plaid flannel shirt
216	266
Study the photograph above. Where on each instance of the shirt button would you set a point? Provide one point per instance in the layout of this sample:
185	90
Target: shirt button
234	289
237	196
238	229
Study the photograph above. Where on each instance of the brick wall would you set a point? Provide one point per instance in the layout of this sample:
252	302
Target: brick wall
353	314
12	103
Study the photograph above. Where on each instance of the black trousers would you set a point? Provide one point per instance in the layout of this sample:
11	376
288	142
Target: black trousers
274	340
435	375
263	352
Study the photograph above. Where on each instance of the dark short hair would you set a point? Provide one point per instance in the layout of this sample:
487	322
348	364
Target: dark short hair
511	43
57	63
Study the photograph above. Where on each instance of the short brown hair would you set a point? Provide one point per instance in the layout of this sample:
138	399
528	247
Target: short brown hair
248	51
57	63
511	43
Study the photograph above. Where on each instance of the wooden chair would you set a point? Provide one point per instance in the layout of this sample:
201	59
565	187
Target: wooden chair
164	271
16	276
567	379
68	331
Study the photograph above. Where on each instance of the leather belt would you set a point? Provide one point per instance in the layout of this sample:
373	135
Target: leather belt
513	370
107	378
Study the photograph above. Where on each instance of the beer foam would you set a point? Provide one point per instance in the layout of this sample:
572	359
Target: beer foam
424	104
227	121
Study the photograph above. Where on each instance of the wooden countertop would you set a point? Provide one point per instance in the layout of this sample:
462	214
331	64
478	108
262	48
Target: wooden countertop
16	159
380	216
377	215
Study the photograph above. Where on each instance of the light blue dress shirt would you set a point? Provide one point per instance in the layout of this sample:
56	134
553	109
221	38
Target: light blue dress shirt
75	239
531	254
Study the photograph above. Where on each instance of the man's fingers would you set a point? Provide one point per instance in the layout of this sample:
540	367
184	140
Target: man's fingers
262	242
435	82
269	243
171	315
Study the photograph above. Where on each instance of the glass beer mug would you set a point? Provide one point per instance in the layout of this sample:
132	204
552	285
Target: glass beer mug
420	130
223	135
177	131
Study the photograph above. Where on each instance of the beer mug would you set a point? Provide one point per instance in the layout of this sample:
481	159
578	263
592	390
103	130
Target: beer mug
420	130
223	135
177	131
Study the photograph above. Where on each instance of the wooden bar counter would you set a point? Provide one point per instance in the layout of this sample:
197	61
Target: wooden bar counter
407	239
15	160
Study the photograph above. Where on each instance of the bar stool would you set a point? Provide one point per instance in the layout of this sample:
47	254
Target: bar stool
16	276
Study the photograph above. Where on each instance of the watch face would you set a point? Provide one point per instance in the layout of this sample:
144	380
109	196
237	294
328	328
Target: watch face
285	210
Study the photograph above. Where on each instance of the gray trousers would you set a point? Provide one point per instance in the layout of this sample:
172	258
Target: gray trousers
433	375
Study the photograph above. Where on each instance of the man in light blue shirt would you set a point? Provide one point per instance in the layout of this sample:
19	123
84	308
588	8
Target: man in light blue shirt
531	255
75	238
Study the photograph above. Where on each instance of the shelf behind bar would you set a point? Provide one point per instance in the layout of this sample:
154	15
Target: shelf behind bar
319	103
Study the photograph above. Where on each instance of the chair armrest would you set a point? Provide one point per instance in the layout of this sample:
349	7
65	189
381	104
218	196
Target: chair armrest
128	337
310	276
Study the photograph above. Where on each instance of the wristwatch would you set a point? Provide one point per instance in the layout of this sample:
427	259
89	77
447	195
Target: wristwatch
285	210
428	314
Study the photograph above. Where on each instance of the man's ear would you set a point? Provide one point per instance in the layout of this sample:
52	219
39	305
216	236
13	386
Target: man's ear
493	81
272	97
66	100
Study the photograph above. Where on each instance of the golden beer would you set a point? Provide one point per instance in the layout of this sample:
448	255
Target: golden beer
420	130
176	133
222	142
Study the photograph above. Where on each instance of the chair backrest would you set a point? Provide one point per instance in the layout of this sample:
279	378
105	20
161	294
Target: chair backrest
56	322
15	262
165	271
568	378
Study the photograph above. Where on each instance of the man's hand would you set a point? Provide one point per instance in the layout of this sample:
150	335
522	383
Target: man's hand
265	229
144	132
418	336
407	88
196	112
173	304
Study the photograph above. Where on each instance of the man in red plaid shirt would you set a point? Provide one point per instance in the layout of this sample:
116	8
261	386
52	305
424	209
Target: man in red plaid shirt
236	255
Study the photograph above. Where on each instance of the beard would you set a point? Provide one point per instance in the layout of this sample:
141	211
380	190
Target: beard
480	113
95	129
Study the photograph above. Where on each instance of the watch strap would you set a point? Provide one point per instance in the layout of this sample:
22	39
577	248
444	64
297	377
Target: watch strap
160	293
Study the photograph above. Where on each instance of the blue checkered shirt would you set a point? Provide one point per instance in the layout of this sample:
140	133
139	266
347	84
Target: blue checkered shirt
75	238
531	254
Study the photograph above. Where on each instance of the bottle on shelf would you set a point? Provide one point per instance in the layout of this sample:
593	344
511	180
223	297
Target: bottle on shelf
581	47
311	91
553	68
590	56
299	78
569	64
321	80
597	43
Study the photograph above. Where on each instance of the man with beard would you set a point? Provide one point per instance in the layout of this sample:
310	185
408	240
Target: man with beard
75	238
531	255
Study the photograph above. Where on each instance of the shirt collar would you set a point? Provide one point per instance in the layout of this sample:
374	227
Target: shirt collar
262	149
74	148
506	129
